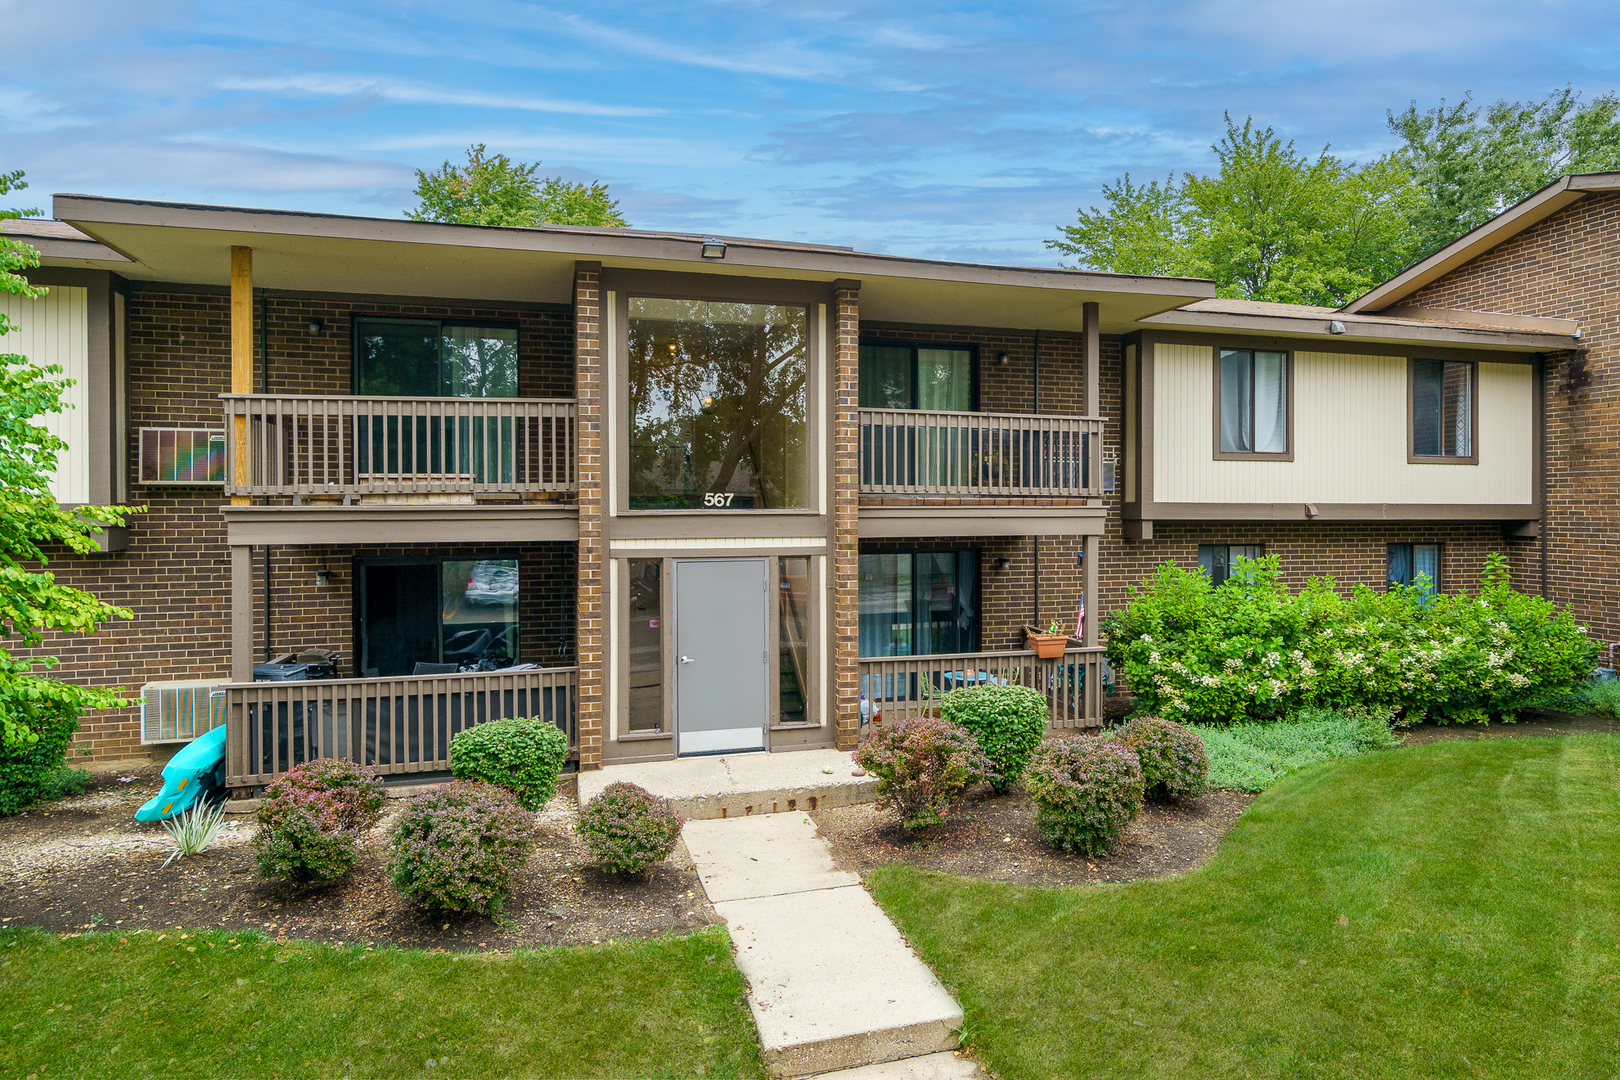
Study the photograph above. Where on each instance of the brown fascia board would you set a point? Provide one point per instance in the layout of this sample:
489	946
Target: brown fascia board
1371	329
58	243
1504	226
87	211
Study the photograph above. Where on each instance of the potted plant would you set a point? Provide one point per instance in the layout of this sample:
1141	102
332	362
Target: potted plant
1047	646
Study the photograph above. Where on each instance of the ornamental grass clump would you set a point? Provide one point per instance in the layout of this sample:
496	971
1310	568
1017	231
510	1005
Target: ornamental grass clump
922	766
1172	757
1008	723
456	849
627	828
311	817
1086	790
523	756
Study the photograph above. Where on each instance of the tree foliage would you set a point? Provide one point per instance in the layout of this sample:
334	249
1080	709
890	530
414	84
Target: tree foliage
496	190
31	601
1469	164
1273	223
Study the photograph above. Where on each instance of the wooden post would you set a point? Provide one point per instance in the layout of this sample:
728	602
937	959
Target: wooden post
1093	549
241	613
241	356
1091	318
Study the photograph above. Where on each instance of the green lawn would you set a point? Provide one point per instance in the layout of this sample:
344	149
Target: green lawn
214	1004
1447	910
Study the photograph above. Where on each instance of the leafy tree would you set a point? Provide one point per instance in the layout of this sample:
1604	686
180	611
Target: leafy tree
31	601
1470	167
498	191
1270	223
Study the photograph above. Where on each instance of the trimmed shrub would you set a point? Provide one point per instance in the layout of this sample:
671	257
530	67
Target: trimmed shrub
29	773
1007	721
523	756
1086	790
455	850
922	766
1172	757
627	828
310	819
1250	650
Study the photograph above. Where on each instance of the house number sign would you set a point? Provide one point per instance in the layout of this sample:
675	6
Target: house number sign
718	498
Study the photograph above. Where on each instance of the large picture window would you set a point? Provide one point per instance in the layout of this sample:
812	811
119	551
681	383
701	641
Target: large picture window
717	405
433	616
1443	409
916	377
1251	404
919	603
434	358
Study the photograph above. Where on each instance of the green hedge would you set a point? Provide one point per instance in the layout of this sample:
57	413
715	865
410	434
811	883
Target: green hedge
1008	722
29	773
523	756
1249	649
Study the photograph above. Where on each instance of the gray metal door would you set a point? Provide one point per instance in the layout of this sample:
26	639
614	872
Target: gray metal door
721	655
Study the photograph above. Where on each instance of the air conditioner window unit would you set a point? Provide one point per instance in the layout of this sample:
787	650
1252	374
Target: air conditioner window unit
190	456
180	711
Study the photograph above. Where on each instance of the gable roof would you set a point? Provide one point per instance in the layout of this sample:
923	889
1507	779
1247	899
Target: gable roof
1474	243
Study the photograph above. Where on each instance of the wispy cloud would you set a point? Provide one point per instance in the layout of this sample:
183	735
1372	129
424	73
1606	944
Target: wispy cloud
358	86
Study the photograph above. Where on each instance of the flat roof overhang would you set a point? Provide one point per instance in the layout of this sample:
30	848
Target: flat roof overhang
1363	328
899	521
328	253
405	523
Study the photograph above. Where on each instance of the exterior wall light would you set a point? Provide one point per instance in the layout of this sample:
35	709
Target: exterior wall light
1001	358
1335	327
1002	562
315	327
322	577
714	249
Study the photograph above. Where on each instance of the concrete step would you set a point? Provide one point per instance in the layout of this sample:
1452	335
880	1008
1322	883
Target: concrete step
941	1066
741	785
832	984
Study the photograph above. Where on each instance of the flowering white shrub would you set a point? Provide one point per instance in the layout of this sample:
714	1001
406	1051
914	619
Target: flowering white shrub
1250	649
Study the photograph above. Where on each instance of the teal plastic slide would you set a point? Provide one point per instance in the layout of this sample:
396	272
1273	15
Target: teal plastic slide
196	770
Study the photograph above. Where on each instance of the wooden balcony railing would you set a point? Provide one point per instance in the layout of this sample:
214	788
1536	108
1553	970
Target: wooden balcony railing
315	445
400	725
910	686
919	452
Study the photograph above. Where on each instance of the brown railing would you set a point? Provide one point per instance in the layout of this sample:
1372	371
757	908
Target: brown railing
400	725
910	686
313	445
917	452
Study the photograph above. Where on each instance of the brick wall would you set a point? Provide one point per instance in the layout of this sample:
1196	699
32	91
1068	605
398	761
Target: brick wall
175	573
588	382
845	509
1567	267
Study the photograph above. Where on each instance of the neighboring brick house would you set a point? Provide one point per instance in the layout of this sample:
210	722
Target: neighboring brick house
685	495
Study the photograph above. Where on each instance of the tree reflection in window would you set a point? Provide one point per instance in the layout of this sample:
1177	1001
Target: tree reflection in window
717	405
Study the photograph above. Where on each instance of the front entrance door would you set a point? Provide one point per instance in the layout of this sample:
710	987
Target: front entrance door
721	655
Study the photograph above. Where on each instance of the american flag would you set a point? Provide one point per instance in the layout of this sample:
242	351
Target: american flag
1080	620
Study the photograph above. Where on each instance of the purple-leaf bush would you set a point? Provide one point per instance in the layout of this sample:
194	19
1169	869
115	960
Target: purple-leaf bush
922	766
1172	756
1086	790
310	819
627	828
456	849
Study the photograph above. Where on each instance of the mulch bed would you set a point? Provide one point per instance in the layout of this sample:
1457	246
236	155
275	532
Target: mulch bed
994	837
86	863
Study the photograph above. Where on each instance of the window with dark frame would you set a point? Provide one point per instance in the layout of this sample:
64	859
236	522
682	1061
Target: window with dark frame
1412	564
1216	559
1251	402
395	357
435	614
912	376
1442	408
919	603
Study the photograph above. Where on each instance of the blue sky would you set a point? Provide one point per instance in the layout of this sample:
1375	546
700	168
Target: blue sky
939	130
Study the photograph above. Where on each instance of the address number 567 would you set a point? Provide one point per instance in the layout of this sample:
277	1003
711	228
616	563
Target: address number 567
718	498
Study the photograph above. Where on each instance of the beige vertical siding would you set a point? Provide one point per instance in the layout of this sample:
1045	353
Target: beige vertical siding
55	329
1128	427
1349	436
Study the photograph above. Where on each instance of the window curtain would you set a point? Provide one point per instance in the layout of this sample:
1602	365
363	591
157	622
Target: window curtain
886	377
1442	408
1270	403
945	379
1457	400
1426	562
885	605
1237	402
967	601
1400	564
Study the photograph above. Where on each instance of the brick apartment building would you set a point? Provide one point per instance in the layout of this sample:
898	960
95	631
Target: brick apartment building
692	495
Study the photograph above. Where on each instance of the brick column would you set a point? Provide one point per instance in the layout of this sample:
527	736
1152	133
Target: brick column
846	504
588	456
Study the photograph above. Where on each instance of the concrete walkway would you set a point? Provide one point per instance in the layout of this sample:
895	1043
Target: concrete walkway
738	785
832	984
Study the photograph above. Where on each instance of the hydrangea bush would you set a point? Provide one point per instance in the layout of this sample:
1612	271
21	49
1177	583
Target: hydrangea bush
922	766
1172	757
1007	721
456	849
1086	789
627	828
310	819
523	756
1249	649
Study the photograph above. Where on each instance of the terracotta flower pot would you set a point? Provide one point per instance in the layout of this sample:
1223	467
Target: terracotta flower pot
1048	646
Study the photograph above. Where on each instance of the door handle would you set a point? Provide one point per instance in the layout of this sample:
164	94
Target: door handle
686	659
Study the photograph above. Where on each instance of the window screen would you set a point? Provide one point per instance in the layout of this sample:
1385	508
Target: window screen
1442	408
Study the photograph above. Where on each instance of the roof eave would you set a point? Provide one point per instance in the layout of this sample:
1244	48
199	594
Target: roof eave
1365	329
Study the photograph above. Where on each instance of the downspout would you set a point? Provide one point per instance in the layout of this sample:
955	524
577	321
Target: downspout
1541	466
1037	622
264	388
